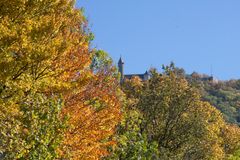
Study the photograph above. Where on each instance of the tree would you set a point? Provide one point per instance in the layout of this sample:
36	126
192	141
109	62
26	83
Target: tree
37	131
93	105
231	137
131	143
174	116
35	37
44	50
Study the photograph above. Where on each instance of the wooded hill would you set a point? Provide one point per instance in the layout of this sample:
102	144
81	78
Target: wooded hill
224	95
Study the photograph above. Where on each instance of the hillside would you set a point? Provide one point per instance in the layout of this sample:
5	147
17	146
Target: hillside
224	95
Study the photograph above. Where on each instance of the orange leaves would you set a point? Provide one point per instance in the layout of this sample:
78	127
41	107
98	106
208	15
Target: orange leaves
88	135
93	106
91	125
44	49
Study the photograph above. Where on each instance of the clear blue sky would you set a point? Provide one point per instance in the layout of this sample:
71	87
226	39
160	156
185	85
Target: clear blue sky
195	34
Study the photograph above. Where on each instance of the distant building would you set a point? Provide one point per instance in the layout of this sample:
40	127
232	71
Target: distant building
204	77
143	77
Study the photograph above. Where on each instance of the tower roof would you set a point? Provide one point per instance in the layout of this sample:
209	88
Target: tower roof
120	61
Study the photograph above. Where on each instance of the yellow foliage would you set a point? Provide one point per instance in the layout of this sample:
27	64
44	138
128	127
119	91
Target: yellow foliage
91	123
44	48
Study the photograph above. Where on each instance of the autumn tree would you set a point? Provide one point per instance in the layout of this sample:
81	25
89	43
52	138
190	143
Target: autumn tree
38	128
34	38
131	143
231	137
94	110
44	50
175	118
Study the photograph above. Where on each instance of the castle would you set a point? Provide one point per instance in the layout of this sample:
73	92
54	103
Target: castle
146	76
143	77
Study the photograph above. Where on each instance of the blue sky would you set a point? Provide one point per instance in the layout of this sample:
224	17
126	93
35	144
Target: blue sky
194	34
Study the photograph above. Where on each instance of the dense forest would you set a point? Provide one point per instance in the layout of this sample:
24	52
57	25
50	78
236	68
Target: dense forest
62	99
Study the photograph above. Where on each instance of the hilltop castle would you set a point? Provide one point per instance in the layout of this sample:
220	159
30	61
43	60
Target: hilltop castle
146	76
143	77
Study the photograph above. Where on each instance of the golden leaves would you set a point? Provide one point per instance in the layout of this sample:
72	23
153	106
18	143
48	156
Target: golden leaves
91	124
44	49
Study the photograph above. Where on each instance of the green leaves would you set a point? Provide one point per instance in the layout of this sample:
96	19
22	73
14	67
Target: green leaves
235	156
36	132
132	144
172	120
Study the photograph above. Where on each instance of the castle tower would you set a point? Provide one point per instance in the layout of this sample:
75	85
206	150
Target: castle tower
146	76
120	68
